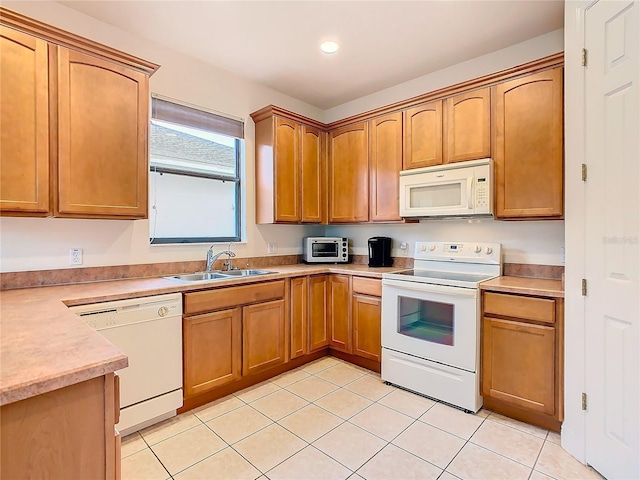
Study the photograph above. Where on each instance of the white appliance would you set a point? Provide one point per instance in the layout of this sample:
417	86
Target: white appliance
450	190
149	331
431	321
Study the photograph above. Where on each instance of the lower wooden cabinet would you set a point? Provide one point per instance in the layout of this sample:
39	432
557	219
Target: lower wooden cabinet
522	357
366	326
319	322
63	434
299	316
212	350
263	336
339	312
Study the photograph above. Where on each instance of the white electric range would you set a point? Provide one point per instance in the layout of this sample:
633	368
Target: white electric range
431	321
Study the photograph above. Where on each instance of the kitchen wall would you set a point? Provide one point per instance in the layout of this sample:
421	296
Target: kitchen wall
34	244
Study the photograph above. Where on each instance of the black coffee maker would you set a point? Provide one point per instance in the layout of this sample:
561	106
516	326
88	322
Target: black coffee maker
380	252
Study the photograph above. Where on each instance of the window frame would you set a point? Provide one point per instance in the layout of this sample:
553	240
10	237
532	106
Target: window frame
237	180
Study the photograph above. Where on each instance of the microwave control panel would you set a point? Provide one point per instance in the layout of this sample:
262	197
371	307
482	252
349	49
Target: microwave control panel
483	194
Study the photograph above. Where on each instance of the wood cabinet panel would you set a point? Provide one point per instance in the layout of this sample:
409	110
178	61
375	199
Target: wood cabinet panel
528	146
518	364
367	286
423	136
385	163
263	336
366	316
339	312
299	318
287	170
349	174
313	173
467	126
212	350
24	116
66	433
103	113
221	298
319	322
530	308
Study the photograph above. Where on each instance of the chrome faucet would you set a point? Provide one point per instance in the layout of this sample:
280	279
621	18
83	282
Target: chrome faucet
211	258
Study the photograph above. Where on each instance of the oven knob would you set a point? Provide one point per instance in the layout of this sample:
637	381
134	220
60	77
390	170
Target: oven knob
162	311
488	250
432	247
478	249
423	248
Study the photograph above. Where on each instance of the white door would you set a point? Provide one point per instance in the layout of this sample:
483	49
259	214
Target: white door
612	263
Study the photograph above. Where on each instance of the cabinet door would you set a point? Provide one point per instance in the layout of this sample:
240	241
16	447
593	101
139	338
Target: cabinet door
366	326
467	126
287	171
518	364
298	316
527	146
212	350
385	163
319	326
423	136
103	118
313	175
24	120
263	342
339	312
349	175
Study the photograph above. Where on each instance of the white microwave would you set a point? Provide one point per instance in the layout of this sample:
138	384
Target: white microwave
460	189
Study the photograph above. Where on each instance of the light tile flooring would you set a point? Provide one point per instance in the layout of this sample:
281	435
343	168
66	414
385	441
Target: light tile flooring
330	419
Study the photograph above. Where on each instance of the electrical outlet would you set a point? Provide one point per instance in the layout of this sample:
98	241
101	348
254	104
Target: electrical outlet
75	256
404	249
272	247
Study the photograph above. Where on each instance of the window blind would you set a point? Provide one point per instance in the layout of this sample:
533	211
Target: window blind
183	115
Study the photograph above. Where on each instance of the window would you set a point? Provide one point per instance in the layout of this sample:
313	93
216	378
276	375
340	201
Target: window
194	176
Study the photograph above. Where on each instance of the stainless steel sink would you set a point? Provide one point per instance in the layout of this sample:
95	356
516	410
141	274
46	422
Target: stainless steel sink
244	273
198	277
218	275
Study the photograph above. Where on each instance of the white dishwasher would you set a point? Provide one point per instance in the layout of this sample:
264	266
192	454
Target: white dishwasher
149	331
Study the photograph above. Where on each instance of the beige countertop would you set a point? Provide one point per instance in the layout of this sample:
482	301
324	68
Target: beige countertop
525	286
44	346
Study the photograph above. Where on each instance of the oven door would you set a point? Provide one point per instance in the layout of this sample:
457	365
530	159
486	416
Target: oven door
434	322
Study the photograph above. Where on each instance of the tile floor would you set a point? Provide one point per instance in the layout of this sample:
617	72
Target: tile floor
330	419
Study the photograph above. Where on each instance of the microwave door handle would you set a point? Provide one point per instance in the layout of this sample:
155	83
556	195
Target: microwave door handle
469	187
430	288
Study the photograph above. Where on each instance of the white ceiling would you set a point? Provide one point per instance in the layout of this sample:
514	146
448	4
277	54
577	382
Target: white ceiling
382	43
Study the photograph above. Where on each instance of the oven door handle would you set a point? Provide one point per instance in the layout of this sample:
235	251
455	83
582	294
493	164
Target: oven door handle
431	288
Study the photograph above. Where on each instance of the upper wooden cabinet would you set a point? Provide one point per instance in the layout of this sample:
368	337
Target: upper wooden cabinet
24	117
290	170
385	163
423	136
74	125
527	146
349	174
103	118
467	126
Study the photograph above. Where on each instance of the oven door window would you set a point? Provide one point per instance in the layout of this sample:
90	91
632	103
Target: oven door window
324	250
426	320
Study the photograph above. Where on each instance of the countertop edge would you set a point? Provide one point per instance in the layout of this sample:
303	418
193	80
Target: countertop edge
525	286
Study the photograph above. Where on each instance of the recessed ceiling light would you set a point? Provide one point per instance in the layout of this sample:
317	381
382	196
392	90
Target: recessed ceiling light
329	47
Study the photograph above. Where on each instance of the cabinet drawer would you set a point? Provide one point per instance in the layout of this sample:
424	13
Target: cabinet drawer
367	286
219	298
530	308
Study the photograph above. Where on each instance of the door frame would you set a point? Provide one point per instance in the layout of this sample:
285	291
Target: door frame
573	437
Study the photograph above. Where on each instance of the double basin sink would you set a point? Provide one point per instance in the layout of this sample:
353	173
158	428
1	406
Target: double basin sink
217	275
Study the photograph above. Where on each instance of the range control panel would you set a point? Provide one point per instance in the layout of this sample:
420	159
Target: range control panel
469	252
